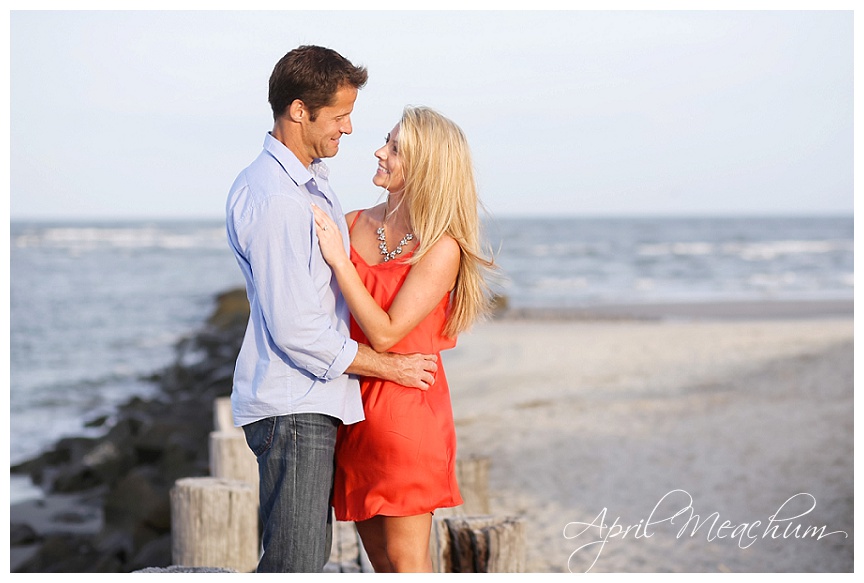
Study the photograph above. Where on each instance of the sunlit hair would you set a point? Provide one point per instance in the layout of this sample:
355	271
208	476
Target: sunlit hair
442	199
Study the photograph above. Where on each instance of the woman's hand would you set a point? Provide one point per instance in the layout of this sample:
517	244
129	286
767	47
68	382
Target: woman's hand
329	238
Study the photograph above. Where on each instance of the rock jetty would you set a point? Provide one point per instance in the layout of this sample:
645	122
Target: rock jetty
125	476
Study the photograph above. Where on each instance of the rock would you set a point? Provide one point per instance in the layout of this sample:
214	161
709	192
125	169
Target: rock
22	534
66	451
154	555
140	497
232	310
182	569
67	553
97	422
73	478
103	463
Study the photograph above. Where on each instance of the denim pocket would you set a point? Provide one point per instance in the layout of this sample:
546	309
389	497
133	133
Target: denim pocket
259	435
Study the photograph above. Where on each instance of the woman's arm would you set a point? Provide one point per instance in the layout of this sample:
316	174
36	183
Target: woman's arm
427	282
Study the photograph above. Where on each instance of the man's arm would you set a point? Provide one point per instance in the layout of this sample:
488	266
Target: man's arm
410	370
277	241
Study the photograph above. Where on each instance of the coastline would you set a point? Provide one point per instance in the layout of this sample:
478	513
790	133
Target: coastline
612	407
705	310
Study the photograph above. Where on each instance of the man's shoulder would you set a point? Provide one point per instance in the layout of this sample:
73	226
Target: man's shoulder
263	169
263	179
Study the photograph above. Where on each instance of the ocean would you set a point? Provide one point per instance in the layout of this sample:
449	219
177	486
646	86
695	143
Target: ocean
96	308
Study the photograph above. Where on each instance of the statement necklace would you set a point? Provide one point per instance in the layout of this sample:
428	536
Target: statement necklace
388	255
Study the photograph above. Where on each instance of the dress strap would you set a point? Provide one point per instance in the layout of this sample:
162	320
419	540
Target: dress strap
351	228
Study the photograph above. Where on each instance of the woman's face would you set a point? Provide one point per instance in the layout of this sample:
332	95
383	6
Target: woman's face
389	174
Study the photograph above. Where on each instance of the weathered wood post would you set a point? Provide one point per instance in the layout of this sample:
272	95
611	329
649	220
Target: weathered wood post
214	523
478	544
466	539
472	475
231	458
223	418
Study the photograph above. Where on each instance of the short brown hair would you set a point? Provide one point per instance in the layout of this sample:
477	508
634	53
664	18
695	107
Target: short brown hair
313	75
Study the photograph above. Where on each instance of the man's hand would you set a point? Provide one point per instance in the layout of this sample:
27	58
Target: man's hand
416	371
413	370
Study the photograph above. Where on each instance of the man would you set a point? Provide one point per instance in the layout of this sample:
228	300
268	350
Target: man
291	389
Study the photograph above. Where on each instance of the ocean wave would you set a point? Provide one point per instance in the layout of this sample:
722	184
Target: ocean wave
83	391
676	249
768	250
750	251
560	283
560	250
138	237
773	280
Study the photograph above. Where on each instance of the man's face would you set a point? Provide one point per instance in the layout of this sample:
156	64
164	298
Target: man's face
321	137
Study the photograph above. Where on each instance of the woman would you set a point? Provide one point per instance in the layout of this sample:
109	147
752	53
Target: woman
414	280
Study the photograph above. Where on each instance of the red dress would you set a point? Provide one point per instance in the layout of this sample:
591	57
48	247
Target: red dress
400	461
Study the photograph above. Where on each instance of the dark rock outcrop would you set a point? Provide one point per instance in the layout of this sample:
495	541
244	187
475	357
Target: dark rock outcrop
147	446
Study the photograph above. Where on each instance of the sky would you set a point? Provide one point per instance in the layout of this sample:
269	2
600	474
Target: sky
152	114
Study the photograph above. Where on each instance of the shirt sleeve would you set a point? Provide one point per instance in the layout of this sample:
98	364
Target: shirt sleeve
278	245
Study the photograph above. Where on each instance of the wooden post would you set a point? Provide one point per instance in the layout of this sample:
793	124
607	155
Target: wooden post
231	458
478	544
214	523
223	417
472	475
439	544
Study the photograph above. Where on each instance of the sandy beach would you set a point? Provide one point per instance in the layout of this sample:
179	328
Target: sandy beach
740	421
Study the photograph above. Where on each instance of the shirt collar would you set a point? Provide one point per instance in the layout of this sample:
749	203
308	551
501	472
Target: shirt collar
293	167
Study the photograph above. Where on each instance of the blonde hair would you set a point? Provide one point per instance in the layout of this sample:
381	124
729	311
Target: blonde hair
442	199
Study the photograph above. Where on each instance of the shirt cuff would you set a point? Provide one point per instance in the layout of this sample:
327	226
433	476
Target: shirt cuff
342	361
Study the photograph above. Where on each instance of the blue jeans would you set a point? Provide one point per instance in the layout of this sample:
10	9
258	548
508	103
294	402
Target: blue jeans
295	463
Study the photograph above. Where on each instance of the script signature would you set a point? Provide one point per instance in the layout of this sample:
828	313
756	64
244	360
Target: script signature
677	505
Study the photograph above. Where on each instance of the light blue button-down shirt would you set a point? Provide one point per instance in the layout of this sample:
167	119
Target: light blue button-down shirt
297	346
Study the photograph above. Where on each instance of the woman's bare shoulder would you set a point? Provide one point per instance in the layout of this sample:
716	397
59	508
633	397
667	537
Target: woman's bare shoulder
350	217
446	245
368	214
444	254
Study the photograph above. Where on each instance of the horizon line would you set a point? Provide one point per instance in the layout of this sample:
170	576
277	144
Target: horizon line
505	215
